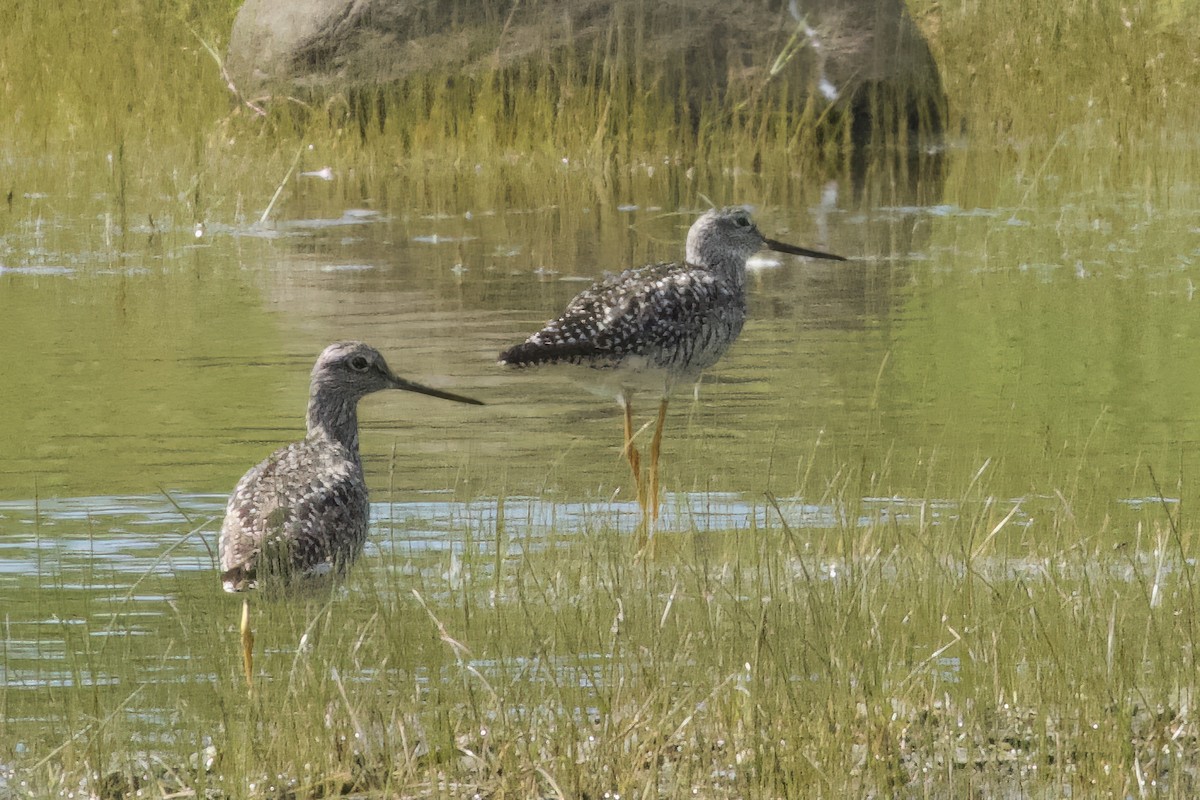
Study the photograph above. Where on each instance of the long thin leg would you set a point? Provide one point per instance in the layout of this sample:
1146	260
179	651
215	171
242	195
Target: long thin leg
631	453
247	642
655	449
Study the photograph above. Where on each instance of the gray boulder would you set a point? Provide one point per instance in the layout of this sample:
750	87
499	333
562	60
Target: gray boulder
857	55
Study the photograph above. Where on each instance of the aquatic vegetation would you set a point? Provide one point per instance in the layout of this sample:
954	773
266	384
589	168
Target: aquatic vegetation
892	647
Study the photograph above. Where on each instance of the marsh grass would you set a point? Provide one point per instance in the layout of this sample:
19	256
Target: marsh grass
79	83
1094	94
594	128
971	646
138	86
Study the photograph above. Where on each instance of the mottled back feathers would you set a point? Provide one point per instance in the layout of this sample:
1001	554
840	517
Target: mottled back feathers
302	511
669	316
675	318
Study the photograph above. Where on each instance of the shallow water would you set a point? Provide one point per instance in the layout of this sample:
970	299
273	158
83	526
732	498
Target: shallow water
154	361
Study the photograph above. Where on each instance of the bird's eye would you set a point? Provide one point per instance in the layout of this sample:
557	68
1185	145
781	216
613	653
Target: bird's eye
742	221
359	364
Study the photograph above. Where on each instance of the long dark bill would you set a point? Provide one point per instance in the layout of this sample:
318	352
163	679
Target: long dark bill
784	247
409	386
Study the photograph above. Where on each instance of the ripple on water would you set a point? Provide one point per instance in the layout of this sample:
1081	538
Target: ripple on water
36	270
130	535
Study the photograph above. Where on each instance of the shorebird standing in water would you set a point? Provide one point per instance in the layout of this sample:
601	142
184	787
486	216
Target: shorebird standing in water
658	324
303	511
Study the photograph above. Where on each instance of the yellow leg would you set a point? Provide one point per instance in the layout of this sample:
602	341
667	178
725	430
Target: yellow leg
631	453
655	449
247	643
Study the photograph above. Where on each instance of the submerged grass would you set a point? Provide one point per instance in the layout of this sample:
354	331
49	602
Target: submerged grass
932	650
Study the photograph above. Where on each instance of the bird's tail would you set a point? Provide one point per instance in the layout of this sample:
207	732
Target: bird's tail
532	354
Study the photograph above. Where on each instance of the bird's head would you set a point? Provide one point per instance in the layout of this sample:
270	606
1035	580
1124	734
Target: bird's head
356	369
729	235
352	368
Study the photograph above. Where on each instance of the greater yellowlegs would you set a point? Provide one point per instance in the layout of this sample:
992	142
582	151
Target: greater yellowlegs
303	511
657	324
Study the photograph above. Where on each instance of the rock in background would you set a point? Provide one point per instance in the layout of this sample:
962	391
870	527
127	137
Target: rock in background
865	58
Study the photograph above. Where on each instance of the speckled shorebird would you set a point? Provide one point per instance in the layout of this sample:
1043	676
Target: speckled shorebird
657	324
303	511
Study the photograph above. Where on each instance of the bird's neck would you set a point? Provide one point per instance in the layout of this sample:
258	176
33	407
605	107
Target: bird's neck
333	416
730	270
728	265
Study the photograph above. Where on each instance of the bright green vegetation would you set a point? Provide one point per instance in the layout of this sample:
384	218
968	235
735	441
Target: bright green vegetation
988	595
941	652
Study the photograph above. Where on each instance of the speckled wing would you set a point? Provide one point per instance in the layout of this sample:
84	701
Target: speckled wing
667	316
297	512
